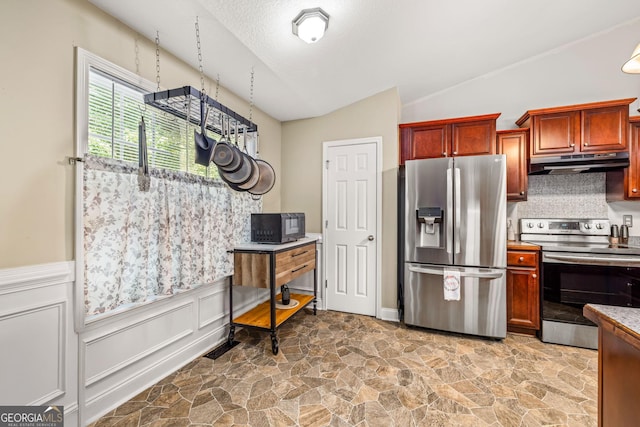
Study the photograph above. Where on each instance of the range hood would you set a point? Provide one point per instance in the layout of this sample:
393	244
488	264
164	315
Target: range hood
578	163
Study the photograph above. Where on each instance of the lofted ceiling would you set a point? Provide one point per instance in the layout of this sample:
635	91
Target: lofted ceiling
419	46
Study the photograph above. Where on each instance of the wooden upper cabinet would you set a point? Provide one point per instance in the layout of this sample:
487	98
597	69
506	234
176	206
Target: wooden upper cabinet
633	172
473	138
625	185
556	133
464	136
599	127
514	144
605	129
424	142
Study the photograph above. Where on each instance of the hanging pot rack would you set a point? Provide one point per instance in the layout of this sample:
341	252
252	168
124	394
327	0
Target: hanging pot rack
184	103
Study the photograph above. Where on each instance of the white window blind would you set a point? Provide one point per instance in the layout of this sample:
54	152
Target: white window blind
115	109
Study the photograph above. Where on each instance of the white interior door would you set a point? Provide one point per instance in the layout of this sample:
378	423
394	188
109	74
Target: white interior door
351	216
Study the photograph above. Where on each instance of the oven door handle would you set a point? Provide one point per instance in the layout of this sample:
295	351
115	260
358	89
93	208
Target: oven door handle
592	260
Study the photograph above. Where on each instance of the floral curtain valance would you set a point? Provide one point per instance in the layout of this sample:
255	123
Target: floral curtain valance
141	245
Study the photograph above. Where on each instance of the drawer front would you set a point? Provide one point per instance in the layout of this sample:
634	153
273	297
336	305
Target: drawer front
294	263
522	258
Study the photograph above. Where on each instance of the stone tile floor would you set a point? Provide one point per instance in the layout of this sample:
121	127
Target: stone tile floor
341	369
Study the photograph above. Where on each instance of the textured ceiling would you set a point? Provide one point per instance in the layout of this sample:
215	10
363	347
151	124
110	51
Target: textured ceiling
420	46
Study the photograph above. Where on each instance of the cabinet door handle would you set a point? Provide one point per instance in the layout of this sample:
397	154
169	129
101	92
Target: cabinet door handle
635	190
586	143
298	254
572	145
455	152
521	259
522	193
299	268
534	275
444	154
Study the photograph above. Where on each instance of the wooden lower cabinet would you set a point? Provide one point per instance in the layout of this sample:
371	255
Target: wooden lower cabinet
523	292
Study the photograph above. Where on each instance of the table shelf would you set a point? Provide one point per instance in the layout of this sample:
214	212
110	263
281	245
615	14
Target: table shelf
260	316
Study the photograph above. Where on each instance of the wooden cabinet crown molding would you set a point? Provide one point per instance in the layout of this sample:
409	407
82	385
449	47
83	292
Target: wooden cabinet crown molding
450	121
523	120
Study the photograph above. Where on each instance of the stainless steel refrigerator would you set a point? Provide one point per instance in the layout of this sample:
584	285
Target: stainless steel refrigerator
455	244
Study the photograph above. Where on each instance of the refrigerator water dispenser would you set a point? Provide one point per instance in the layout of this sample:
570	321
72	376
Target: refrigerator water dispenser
430	219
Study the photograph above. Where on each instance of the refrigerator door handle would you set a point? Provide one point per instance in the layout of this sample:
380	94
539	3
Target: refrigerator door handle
457	211
449	227
440	272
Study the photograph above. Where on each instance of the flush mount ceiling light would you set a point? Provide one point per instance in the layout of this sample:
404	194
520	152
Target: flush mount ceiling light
632	66
310	24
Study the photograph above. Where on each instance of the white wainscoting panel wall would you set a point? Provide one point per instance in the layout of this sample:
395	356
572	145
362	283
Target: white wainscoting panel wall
44	360
123	354
38	355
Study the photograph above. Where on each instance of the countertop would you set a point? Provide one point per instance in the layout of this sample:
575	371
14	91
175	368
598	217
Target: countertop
626	319
265	247
522	246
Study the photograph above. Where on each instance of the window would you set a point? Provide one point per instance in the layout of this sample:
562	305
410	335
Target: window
115	110
118	266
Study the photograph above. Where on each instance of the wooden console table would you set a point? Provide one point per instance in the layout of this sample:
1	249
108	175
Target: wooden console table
269	266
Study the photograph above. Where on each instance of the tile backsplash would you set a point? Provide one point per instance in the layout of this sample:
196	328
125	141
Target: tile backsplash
573	196
565	196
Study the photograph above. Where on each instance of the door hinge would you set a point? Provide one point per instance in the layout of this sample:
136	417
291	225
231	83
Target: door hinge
325	284
326	223
327	164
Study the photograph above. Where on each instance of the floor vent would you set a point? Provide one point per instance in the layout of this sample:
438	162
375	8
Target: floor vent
221	349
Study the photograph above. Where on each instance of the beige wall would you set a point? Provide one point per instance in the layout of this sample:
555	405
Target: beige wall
37	90
302	168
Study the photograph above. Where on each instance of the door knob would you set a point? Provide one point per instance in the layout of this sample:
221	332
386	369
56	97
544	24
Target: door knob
370	237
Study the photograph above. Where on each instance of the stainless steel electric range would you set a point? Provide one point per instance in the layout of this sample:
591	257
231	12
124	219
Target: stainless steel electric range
580	266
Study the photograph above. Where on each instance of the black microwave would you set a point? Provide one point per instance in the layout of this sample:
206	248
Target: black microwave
277	227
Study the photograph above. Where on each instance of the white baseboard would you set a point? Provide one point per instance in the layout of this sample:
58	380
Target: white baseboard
390	314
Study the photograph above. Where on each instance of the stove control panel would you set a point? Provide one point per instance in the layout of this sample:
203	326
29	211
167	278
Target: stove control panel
588	227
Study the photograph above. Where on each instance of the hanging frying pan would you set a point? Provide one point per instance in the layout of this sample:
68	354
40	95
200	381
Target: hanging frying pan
237	158
255	175
204	145
231	185
242	175
266	180
223	151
